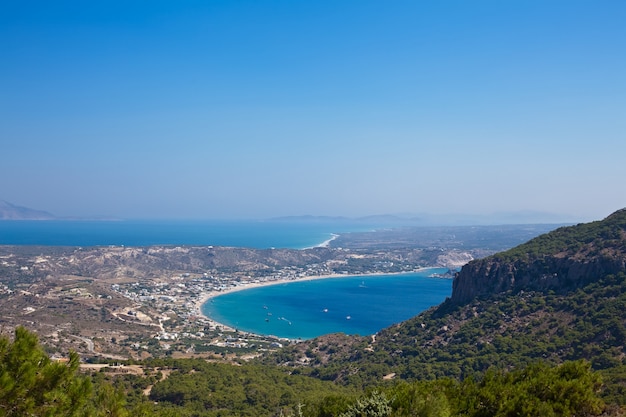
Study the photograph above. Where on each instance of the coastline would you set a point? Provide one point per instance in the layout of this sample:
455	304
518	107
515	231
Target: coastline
207	296
325	243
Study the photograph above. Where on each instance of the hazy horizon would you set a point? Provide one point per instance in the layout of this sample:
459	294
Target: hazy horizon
255	110
399	219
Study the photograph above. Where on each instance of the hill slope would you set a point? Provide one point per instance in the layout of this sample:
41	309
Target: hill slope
561	296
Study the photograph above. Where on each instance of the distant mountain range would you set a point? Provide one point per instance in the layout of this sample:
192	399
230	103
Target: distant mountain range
10	211
450	219
376	219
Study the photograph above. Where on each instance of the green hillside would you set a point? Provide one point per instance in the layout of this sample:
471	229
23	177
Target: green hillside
33	385
559	297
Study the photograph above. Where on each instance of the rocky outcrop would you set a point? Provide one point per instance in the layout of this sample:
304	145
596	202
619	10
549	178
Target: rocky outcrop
558	261
487	277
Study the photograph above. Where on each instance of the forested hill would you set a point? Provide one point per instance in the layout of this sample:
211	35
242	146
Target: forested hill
561	260
559	297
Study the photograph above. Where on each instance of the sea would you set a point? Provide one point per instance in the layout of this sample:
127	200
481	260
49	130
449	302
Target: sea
297	310
244	233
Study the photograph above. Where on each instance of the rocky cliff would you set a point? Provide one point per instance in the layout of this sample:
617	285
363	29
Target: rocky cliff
562	260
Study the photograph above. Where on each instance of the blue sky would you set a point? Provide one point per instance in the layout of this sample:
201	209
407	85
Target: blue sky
254	109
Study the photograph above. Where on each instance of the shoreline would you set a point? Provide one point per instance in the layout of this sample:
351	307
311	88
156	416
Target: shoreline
207	296
325	243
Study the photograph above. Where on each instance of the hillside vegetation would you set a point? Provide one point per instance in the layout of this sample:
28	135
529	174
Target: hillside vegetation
33	385
559	297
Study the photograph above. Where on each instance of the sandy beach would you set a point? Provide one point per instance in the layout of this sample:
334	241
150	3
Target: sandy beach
325	243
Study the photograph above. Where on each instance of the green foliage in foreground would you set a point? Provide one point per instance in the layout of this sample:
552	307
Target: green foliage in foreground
570	389
212	389
33	385
537	390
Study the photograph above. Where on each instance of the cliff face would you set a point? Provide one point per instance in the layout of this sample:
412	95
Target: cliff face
562	260
491	276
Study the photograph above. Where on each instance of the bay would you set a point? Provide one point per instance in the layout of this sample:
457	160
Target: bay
360	305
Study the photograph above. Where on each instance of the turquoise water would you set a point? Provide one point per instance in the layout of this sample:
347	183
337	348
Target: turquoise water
251	234
360	305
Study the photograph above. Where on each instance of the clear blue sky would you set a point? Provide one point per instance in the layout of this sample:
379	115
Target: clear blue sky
254	109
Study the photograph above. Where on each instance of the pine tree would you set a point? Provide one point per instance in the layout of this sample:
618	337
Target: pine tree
31	384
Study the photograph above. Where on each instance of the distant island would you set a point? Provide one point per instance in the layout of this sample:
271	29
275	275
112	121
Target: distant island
10	211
